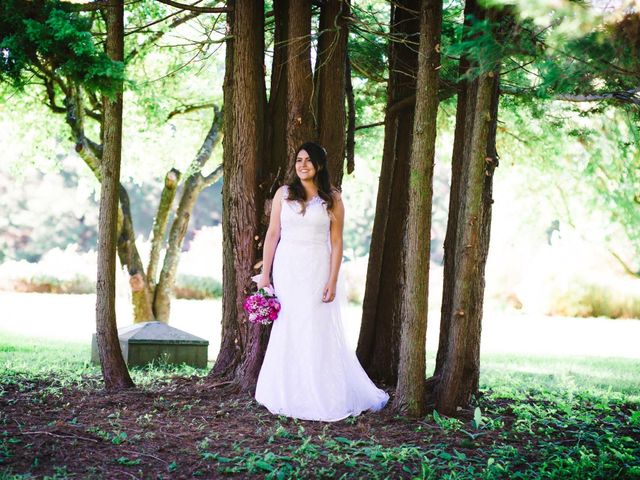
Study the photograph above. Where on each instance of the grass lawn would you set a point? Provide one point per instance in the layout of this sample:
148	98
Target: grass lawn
536	417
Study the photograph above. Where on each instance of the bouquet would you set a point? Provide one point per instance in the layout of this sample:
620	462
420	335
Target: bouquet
262	306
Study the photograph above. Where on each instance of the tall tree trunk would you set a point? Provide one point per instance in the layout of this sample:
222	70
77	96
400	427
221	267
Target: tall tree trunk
245	92
332	52
466	102
378	344
278	162
248	139
300	121
460	372
114	369
410	393
230	347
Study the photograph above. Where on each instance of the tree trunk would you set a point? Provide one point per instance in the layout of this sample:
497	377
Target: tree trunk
171	180
230	346
331	83
410	393
351	118
300	122
114	369
248	139
460	372
141	297
466	94
278	162
245	96
193	186
378	344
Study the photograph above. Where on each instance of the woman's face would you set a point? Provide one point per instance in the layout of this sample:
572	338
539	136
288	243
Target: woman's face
304	166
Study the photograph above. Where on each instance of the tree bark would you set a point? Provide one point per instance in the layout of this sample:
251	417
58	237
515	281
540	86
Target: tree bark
193	186
141	296
378	344
351	118
466	102
331	84
114	369
410	393
458	378
171	180
230	347
245	97
248	139
277	162
300	121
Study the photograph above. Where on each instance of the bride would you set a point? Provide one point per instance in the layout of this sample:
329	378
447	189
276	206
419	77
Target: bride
309	372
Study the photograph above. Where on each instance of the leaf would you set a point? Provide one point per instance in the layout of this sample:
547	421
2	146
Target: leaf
344	440
264	466
477	418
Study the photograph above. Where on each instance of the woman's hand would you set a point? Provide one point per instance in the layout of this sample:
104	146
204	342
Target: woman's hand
329	292
263	281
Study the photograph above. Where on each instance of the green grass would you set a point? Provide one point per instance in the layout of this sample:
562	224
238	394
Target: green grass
507	374
24	357
573	417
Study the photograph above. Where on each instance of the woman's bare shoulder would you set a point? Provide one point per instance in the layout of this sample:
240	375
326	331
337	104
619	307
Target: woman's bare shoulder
281	192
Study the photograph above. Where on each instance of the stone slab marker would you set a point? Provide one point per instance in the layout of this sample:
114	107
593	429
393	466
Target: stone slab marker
142	343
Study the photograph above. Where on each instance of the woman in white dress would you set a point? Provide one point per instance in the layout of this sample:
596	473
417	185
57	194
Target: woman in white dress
309	372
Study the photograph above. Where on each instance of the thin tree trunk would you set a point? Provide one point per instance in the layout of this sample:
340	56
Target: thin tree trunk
351	118
300	121
230	347
331	83
171	180
378	344
466	94
193	186
410	393
114	369
141	297
460	373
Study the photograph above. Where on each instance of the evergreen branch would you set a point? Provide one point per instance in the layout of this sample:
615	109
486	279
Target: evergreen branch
628	96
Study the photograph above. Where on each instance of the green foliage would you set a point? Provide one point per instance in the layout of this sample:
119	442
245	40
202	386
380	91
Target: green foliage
46	35
197	288
537	417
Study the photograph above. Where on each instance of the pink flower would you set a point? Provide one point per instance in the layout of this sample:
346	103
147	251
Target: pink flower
262	307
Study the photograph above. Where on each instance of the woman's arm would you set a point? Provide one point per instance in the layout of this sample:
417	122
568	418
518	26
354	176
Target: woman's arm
335	234
271	239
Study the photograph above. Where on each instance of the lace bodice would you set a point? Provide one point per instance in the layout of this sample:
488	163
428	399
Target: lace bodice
312	227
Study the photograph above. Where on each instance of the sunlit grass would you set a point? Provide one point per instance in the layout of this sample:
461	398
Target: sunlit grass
23	357
506	374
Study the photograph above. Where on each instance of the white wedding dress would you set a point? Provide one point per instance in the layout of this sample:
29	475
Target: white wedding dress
309	372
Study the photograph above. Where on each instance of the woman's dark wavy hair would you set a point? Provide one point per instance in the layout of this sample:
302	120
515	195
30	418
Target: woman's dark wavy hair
318	157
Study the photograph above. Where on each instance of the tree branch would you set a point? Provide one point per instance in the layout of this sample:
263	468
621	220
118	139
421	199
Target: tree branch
628	96
193	8
159	34
189	108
